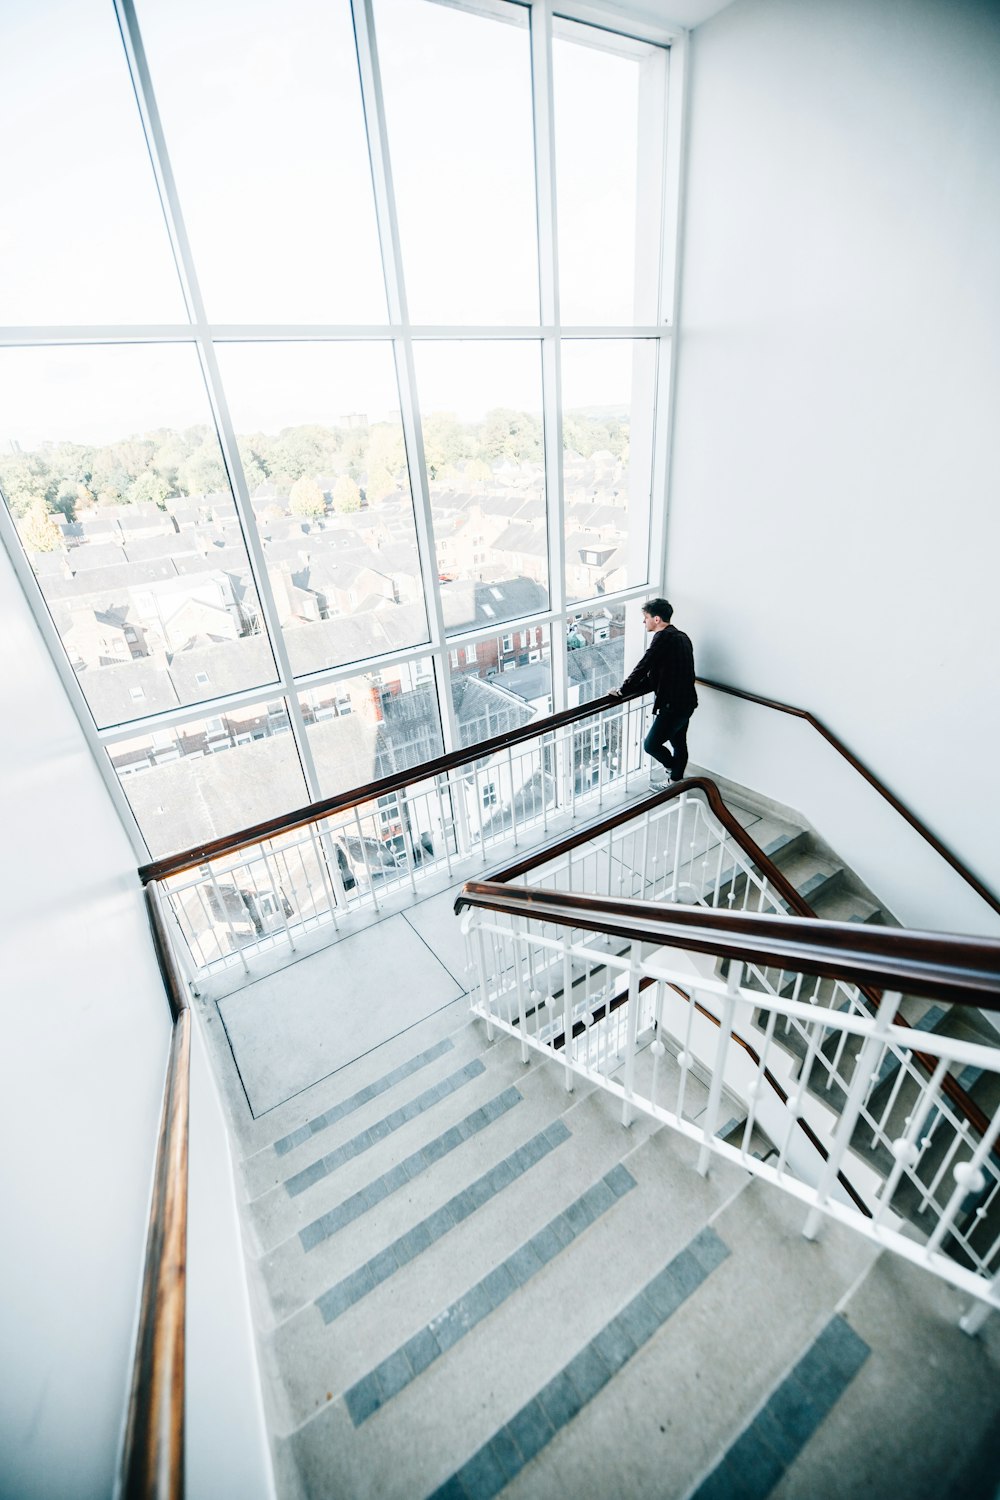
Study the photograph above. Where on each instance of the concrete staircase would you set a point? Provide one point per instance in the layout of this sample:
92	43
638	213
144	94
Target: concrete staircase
468	1281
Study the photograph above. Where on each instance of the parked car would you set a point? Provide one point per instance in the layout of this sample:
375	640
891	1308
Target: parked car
363	860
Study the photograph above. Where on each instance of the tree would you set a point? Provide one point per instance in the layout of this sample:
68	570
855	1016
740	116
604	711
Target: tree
477	474
149	488
202	472
66	500
25	479
39	532
306	498
379	483
513	435
444	441
346	495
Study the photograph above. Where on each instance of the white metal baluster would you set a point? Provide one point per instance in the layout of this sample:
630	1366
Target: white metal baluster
484	993
759	1083
678	836
222	907
973	1320
403	819
274	884
447	825
733	982
893	1096
905	1148
684	1056
513	807
632	1022
959	1139
363	845
644	858
852	1109
838	1055
796	992
567	978
812	1030
542	775
326	877
656	1047
716	893
964	1183
460	812
600	759
478	799
182	896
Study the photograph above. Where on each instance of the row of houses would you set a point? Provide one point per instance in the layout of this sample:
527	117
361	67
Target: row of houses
184	789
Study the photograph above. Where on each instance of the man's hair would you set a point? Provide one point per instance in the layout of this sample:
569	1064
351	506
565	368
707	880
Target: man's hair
661	607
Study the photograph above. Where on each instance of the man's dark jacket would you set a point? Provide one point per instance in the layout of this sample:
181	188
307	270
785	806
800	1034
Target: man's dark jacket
667	667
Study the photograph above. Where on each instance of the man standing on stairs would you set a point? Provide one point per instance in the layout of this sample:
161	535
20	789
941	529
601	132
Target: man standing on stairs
667	667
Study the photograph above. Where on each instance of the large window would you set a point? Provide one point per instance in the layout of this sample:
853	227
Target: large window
289	305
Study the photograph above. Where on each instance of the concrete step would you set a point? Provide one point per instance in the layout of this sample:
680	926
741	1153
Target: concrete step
335	1341
361	1101
921	1416
297	1272
813	877
438	1121
458	1403
841	904
255	1134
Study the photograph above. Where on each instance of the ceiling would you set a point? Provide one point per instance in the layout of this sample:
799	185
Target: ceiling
687	13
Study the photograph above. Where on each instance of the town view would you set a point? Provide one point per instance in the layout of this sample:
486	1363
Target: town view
143	564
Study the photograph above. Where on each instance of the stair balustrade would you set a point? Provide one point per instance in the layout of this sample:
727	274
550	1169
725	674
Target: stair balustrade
271	886
654	957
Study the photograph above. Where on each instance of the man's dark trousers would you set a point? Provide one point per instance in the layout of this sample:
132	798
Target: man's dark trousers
669	726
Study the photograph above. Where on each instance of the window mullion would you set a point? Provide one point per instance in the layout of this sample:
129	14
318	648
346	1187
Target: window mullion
395	286
143	85
670	289
548	277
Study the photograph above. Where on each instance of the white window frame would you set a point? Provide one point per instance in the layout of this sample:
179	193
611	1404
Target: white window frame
549	331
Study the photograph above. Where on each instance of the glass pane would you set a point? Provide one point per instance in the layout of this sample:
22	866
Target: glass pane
595	652
457	89
211	777
322	446
608	403
481	409
261	108
500	682
363	728
113	473
609	96
83	237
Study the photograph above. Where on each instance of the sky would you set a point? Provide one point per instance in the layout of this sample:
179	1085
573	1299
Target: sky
262	114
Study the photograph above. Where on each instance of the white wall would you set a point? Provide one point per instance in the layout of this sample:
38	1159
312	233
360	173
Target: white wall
834	531
84	1029
84	1033
226	1447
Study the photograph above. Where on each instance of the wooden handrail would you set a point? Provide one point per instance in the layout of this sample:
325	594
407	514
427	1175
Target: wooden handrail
950	1086
152	1465
963	970
981	890
188	859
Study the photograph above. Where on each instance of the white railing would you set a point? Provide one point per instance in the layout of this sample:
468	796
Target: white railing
278	890
672	1034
